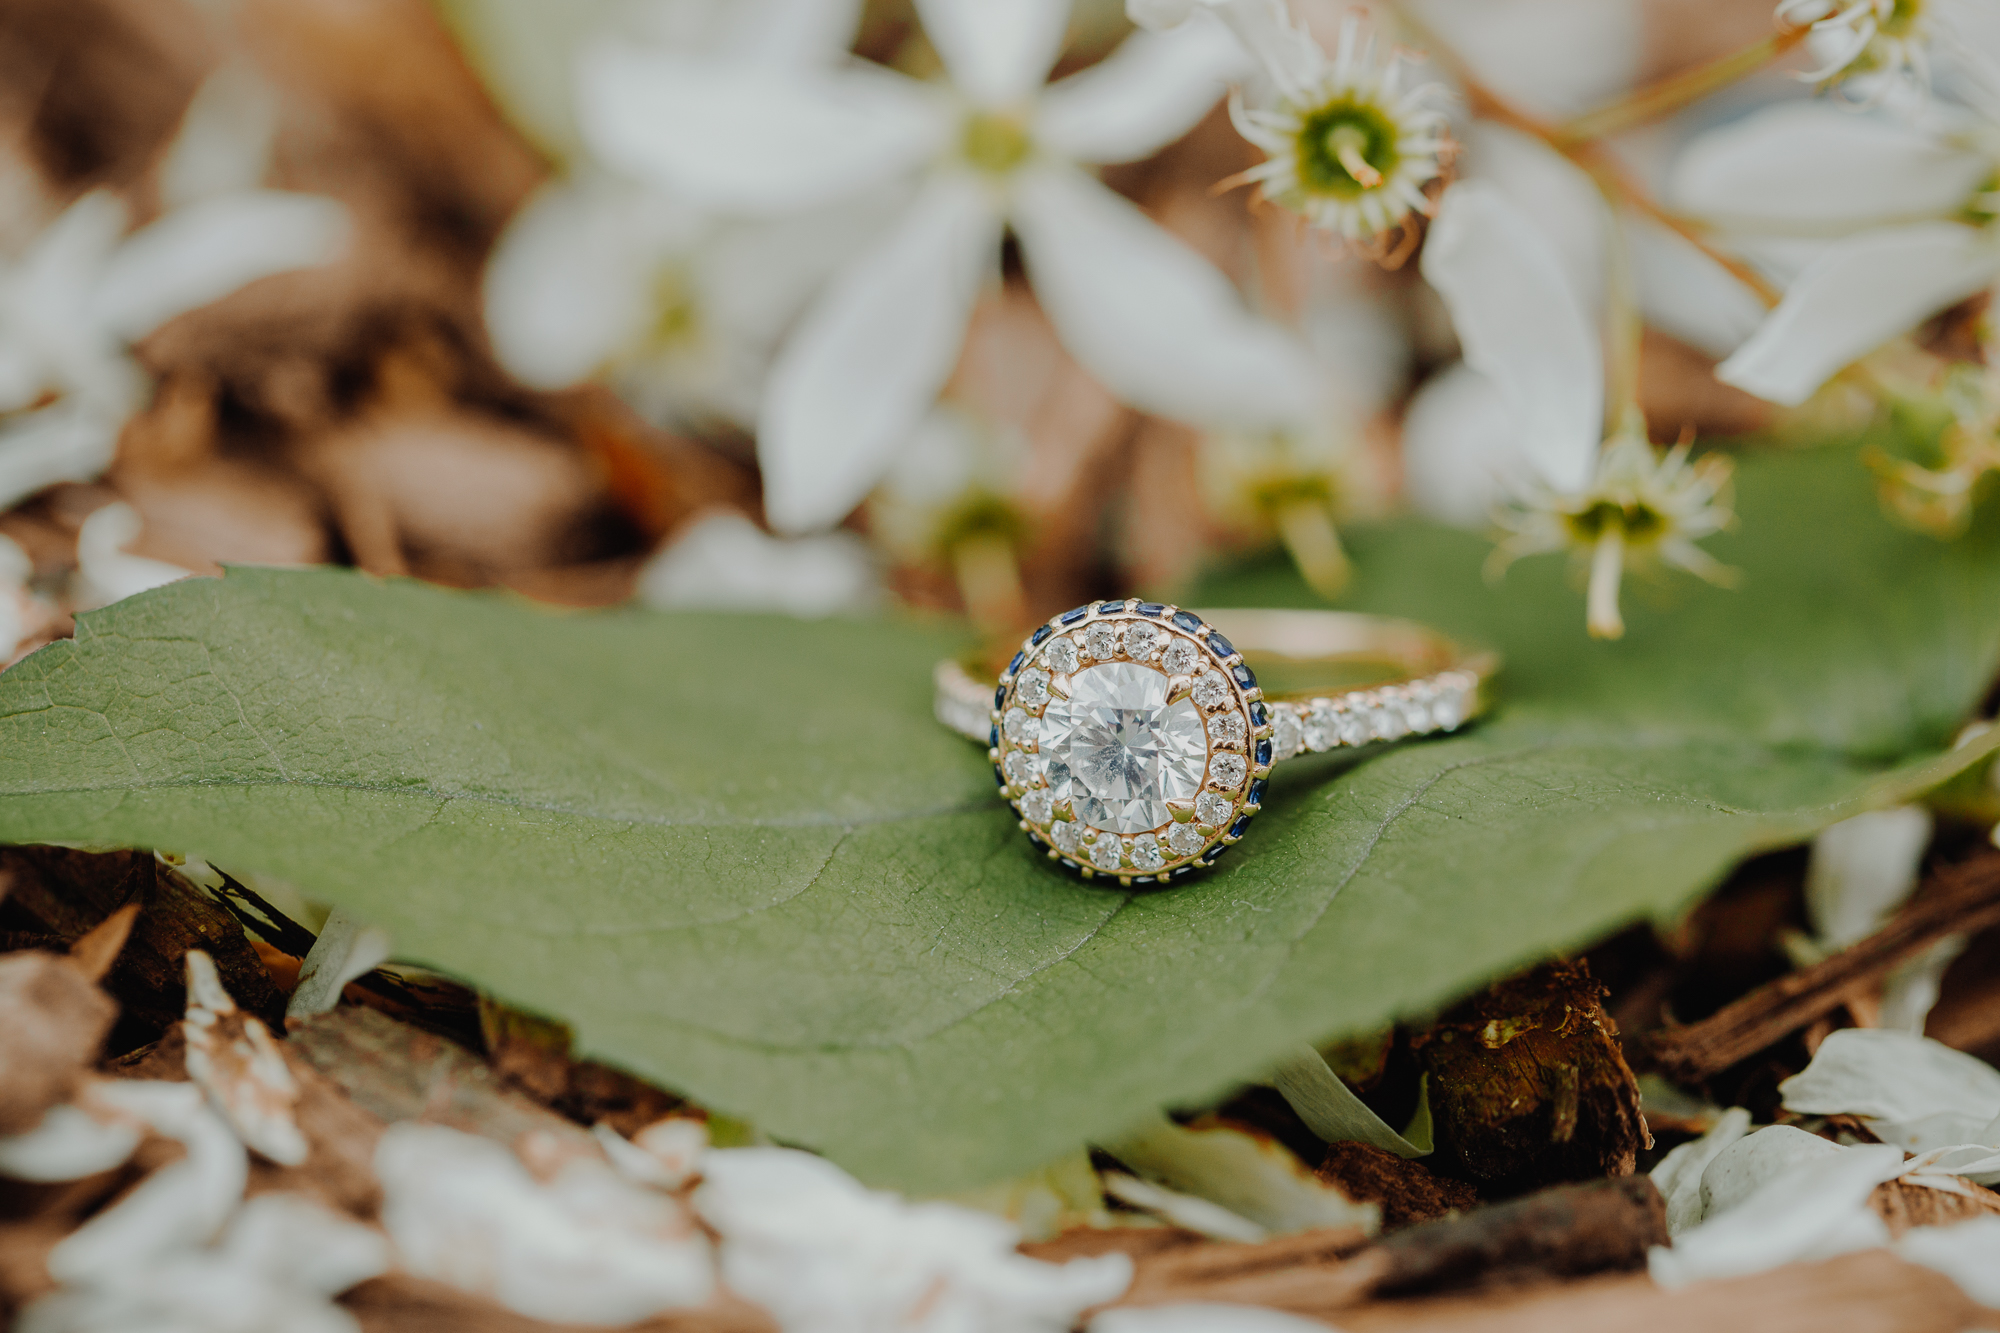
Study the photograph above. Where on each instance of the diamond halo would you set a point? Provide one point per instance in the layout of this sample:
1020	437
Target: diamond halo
1132	740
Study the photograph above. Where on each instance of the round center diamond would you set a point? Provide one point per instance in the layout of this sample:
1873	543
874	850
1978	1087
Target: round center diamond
1118	751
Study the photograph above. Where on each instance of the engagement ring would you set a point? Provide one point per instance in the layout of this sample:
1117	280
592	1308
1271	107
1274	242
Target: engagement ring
1135	742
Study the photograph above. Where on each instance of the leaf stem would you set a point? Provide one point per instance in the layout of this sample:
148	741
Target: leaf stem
1314	542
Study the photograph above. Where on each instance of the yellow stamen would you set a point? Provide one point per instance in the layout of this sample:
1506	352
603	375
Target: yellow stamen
1309	534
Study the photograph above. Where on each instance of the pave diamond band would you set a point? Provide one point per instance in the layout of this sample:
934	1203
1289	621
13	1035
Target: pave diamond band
1135	741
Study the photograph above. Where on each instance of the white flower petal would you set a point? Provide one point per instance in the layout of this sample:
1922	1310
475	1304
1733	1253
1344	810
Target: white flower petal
68	1144
1160	15
1911	1091
58	443
1152	320
1678	1176
225	139
997	54
795	33
1823	167
1742	1168
724	561
1815	1209
1968	1253
1911	989
1201	1317
588	1247
181	1205
347	948
1857	295
1143	96
870	355
311	1247
203	252
1861	870
1520	326
105	571
1553	57
1685	294
756	139
572	279
1552	193
810	1244
1463	450
1253	1178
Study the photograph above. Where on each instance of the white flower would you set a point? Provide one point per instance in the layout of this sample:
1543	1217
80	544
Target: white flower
1779	1196
676	308
273	1270
721	560
1140	310
71	304
1258	1181
1346	145
1885	41
1617	501
68	1144
1937	497
106	572
823	1254
181	1205
587	1247
1909	1090
1887	220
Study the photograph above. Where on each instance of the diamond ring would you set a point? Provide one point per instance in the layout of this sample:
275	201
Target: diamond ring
1134	740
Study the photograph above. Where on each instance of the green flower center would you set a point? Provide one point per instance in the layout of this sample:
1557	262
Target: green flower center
1639	522
1346	149
994	142
1903	18
677	313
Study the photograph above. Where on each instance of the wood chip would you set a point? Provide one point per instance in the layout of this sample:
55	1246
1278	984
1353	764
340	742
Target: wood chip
1960	898
1903	1204
1407	1192
399	1303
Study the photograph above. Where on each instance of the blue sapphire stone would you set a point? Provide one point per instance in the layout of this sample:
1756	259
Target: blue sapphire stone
1039	635
1071	617
1220	646
1020	660
1150	608
993	737
1187	620
1106	608
1000	697
1244	676
999	778
1264	753
1257	792
1257	715
1215	852
1240	827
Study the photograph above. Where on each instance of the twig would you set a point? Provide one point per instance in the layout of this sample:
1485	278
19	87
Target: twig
1964	898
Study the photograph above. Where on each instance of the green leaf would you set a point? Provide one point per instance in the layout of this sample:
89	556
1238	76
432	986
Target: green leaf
739	857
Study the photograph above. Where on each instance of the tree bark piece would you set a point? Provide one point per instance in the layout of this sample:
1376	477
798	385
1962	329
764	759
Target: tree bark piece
1407	1192
1961	898
1528	1086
